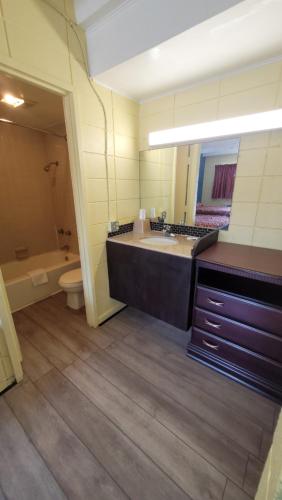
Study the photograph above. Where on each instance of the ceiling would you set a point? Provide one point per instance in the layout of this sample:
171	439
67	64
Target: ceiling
117	30
42	109
247	34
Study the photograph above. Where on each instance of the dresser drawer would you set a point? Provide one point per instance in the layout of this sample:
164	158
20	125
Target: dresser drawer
246	311
256	340
243	358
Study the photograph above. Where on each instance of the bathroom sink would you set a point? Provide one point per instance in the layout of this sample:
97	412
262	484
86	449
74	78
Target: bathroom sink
159	240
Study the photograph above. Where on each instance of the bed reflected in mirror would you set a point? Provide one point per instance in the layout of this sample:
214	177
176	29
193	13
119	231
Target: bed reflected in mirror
191	184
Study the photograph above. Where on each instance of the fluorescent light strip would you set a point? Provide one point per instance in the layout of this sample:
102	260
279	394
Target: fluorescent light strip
258	122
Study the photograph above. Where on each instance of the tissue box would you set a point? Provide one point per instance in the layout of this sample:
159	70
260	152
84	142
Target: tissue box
141	226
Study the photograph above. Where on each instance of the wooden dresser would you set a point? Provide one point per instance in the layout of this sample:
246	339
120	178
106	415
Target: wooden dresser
237	315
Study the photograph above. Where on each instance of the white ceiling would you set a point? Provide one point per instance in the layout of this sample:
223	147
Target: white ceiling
117	30
247	34
42	109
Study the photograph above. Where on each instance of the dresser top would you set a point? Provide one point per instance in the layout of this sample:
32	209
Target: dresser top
255	259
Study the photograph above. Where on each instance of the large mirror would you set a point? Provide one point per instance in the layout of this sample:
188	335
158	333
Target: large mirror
191	184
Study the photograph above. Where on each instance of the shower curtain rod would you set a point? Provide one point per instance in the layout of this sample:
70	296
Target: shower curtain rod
42	130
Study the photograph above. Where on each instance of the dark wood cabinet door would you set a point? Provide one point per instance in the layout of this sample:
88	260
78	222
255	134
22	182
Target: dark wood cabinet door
154	282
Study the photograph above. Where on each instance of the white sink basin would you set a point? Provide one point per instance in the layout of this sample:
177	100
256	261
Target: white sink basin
159	240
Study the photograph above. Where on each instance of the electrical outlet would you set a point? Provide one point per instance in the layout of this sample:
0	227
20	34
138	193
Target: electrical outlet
113	226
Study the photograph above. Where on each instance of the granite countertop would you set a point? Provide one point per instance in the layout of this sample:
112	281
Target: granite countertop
183	248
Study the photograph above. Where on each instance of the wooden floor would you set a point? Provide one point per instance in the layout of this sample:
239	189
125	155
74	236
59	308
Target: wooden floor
120	412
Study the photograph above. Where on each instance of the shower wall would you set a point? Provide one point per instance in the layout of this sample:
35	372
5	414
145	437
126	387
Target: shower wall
28	211
61	189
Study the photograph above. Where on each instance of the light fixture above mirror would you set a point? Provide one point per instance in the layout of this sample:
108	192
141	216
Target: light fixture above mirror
228	127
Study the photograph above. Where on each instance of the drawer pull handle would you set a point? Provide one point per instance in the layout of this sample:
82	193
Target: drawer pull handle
213	325
215	302
211	346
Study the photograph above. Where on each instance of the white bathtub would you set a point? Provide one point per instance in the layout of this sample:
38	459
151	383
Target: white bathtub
20	289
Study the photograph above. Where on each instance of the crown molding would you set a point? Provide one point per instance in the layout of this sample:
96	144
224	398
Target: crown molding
101	17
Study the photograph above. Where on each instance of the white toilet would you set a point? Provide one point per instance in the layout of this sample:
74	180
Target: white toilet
71	282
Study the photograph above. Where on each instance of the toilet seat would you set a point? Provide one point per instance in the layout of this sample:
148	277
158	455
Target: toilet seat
71	279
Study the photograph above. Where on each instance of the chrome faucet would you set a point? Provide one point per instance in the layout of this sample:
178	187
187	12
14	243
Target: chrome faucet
167	230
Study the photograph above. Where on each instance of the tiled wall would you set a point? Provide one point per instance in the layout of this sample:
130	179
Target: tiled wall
36	40
257	209
256	217
156	180
61	190
123	162
33	203
26	211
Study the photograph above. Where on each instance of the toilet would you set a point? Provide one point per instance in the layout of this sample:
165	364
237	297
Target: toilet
71	282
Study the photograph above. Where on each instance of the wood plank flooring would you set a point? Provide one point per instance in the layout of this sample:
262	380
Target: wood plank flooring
119	412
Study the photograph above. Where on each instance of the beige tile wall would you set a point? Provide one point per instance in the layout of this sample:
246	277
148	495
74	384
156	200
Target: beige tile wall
61	190
123	160
256	213
257	199
34	203
26	210
36	41
156	180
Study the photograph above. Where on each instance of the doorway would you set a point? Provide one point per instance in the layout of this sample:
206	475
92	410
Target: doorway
39	223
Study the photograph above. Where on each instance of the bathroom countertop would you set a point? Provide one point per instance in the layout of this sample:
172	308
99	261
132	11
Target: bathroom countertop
182	249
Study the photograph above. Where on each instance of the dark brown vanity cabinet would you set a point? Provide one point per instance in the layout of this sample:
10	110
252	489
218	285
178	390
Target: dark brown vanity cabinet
237	315
154	282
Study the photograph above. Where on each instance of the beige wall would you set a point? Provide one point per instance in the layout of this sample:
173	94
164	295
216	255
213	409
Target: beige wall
60	186
123	176
26	211
157	181
34	203
210	163
257	203
37	41
6	369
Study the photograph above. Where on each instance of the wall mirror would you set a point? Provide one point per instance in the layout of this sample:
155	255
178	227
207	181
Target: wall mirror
193	184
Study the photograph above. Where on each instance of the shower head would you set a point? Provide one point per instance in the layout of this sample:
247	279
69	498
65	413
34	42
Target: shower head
49	165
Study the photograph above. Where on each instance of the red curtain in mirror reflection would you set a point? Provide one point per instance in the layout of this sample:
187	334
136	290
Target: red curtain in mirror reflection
224	179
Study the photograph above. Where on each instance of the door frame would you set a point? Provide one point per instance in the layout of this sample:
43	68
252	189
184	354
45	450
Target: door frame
71	115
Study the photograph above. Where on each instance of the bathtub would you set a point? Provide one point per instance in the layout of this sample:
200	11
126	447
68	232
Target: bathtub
20	289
